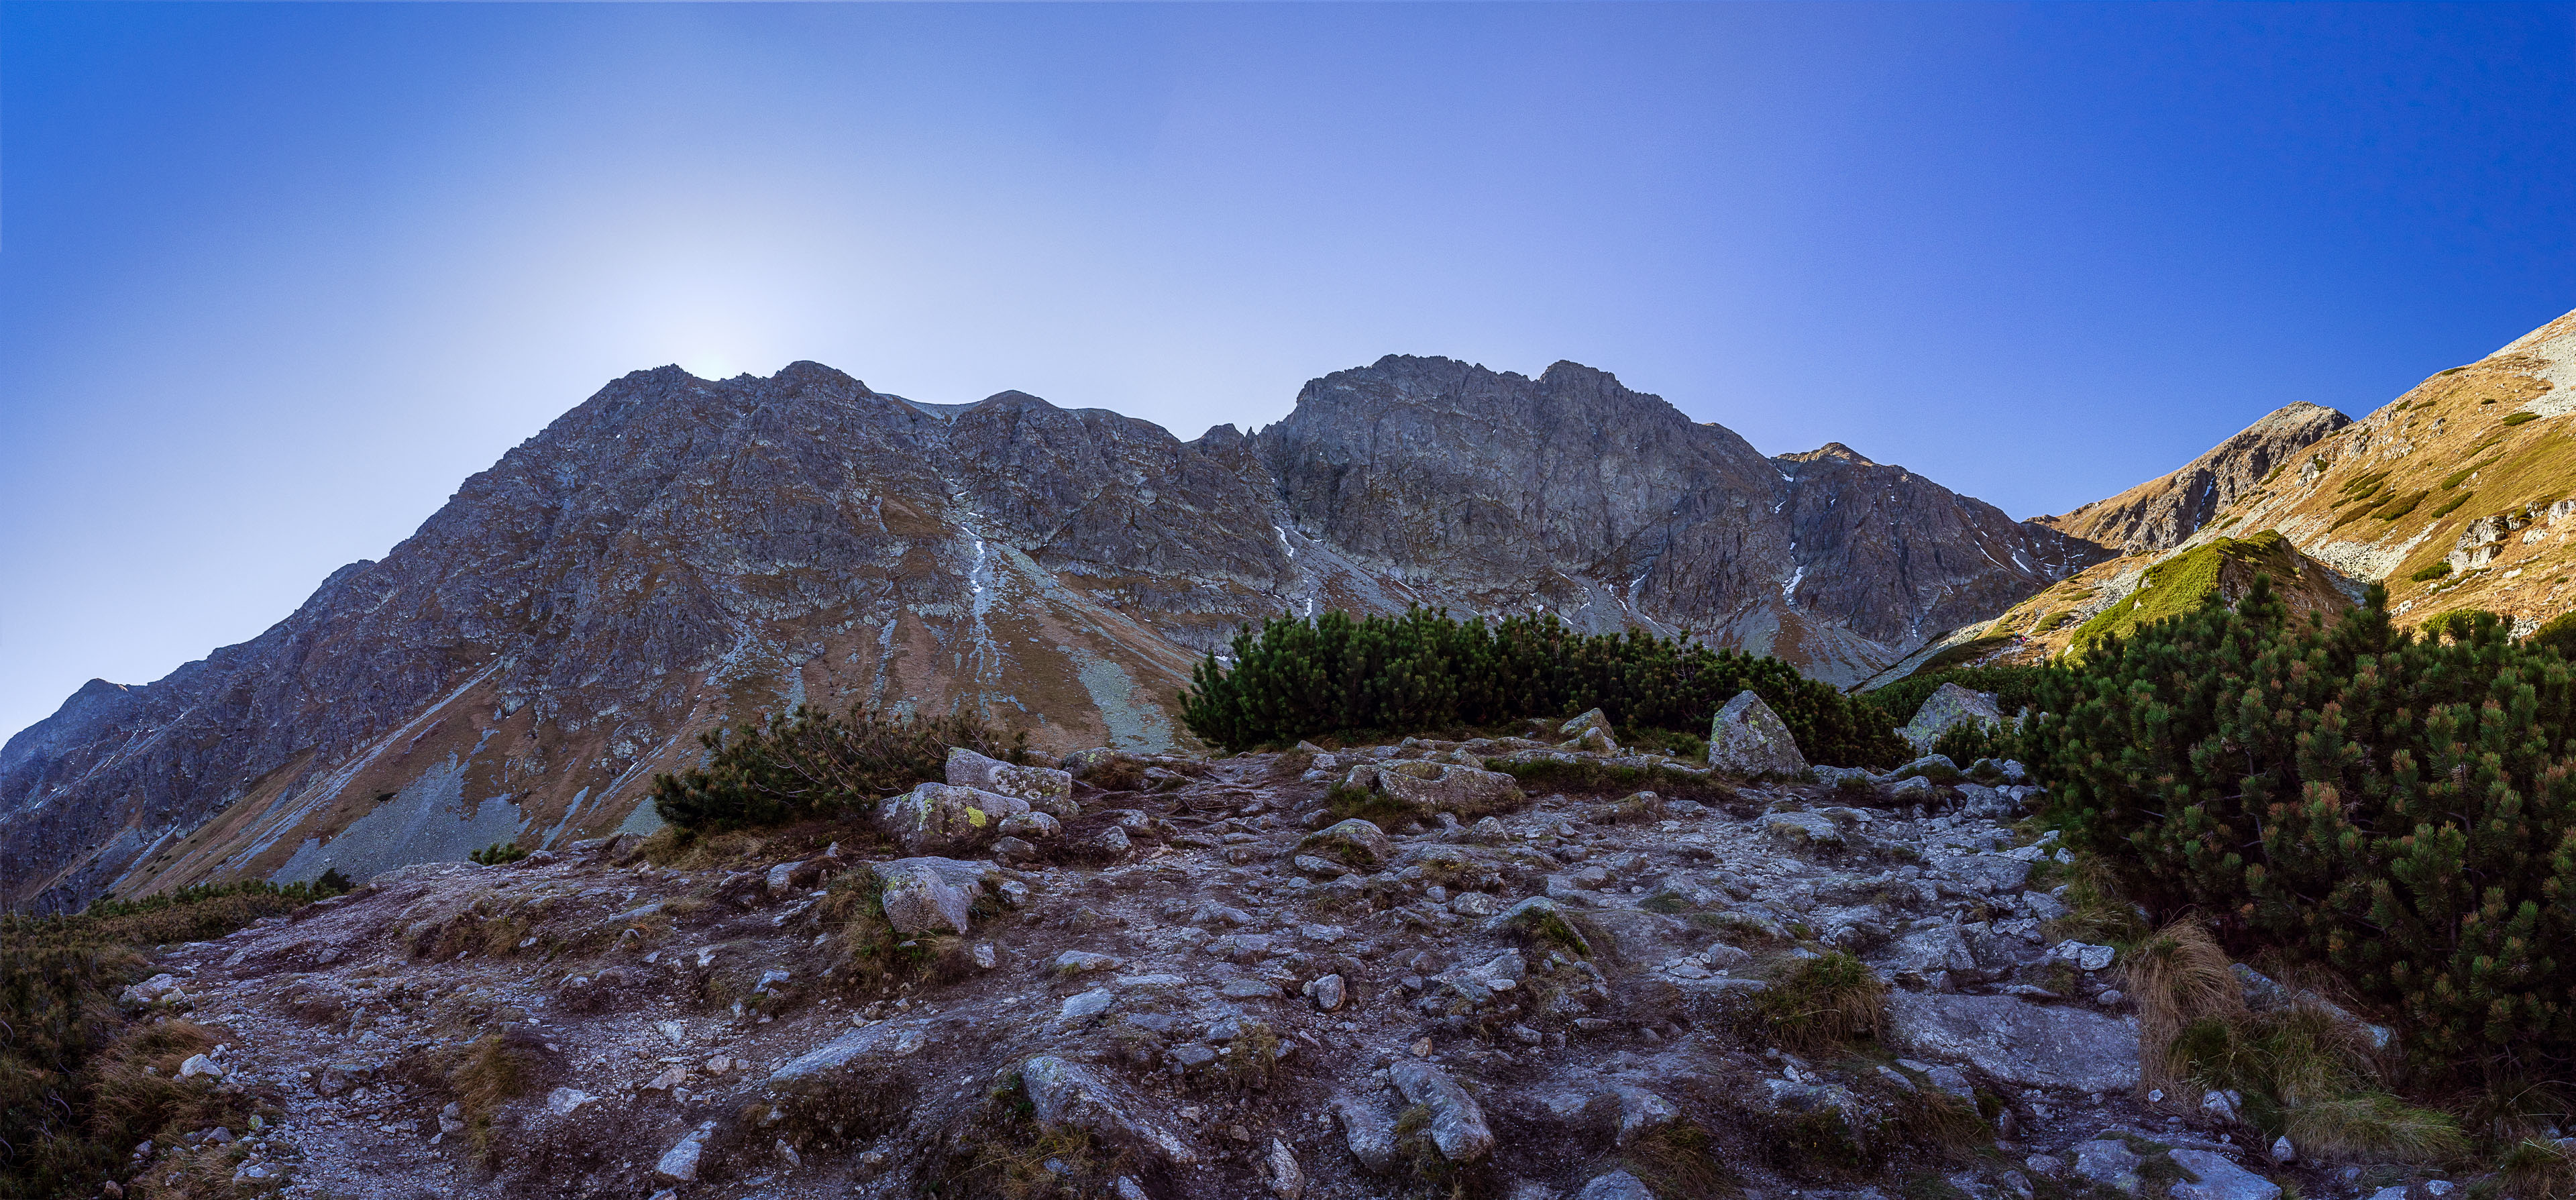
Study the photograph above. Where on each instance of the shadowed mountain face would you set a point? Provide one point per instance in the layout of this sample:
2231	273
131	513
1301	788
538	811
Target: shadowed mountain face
676	553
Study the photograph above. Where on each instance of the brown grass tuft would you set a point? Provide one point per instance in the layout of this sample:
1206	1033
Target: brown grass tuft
1824	1001
2177	975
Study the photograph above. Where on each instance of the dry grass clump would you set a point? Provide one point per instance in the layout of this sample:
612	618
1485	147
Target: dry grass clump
497	1068
2097	910
2176	976
2537	1167
1680	1159
2311	1075
1828	1000
999	1152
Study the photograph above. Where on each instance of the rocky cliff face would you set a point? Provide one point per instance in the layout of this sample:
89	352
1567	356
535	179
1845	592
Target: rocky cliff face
2159	514
678	553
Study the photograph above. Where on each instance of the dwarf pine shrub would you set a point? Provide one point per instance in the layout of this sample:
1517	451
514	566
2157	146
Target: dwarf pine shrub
1426	671
811	763
2400	809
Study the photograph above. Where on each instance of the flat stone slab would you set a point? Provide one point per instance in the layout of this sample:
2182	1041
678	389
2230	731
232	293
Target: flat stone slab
2016	1041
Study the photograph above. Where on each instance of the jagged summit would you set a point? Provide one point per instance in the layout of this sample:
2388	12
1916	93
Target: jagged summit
674	553
1832	450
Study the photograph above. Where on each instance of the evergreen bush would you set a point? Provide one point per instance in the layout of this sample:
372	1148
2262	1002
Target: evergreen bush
2400	809
1426	671
811	763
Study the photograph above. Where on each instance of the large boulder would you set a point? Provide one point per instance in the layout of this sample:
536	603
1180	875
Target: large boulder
929	895
1427	788
1047	790
1949	706
1750	740
2016	1041
941	818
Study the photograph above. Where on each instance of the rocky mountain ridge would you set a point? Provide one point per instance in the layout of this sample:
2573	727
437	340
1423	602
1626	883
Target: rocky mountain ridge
677	553
2458	496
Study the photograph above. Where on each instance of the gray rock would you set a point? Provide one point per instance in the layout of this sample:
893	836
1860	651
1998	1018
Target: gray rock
1090	1004
1746	738
1457	1123
1064	1095
1076	962
1368	1129
1429	787
1803	829
1326	992
2219	1179
929	895
1032	826
941	819
1287	1180
2108	1163
1936	767
1985	872
1938	948
1616	1185
1949	706
1357	842
2021	1043
1047	790
679	1164
1913	790
1589	721
1641	1112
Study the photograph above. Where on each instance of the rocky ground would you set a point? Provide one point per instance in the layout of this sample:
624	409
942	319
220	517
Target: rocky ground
1198	982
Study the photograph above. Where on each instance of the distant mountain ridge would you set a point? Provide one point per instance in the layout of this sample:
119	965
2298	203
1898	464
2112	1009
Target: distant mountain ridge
2459	495
676	553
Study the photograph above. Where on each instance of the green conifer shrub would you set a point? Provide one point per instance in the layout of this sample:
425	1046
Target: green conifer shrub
2400	809
811	763
1426	671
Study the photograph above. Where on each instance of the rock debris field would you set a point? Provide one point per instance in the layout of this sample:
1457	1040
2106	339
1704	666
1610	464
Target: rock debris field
1526	968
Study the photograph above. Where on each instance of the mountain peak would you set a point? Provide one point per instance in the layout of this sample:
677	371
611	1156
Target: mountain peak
1832	450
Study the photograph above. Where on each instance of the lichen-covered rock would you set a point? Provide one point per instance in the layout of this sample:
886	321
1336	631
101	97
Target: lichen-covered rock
1746	738
1427	788
941	819
929	895
1948	706
1457	1124
1047	790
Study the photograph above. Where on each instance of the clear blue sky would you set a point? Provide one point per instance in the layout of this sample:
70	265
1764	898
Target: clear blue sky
274	279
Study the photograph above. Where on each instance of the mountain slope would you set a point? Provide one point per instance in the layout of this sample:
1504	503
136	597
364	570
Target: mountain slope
675	554
2458	495
2159	514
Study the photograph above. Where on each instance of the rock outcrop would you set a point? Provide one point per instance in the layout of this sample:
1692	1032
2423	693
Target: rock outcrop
1214	1014
2161	513
675	554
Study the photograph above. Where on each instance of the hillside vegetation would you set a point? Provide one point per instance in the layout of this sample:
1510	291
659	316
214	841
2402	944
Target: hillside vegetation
2399	810
1427	672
